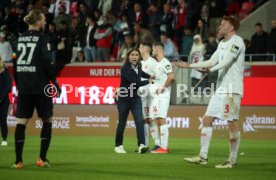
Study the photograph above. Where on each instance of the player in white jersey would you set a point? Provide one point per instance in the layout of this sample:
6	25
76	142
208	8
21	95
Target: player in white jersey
228	59
161	90
148	66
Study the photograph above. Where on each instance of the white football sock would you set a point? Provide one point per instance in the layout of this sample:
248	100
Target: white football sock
164	133
234	144
146	133
205	138
154	133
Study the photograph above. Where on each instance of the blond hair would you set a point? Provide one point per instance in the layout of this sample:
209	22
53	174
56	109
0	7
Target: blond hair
33	17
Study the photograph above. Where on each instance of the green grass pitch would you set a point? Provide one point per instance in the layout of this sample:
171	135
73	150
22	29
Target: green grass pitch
84	157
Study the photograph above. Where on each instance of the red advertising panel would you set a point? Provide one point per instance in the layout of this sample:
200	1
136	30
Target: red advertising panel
97	84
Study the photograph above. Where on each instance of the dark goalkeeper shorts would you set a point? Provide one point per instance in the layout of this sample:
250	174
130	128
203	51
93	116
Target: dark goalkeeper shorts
27	103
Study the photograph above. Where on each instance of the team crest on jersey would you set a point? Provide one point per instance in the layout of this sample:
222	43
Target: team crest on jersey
168	67
234	49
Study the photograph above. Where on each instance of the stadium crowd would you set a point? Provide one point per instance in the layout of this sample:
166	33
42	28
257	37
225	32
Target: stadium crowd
103	30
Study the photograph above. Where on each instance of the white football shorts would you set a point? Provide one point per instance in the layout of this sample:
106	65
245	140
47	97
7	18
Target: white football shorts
224	106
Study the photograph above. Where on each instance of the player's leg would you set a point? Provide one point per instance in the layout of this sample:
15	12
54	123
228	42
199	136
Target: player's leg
153	128
123	108
215	108
19	141
45	140
235	135
25	108
205	139
206	136
154	133
164	136
162	111
44	107
234	144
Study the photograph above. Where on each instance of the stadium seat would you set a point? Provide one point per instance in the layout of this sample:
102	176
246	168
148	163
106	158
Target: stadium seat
233	8
245	9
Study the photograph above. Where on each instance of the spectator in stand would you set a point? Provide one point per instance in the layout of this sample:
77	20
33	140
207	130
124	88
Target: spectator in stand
74	8
141	34
83	13
179	22
98	16
64	47
91	4
49	16
88	42
122	28
80	58
167	20
52	6
4	3
30	7
62	17
21	26
205	14
259	42
271	46
211	45
137	16
202	29
5	48
104	6
128	44
216	9
9	20
187	41
154	21
120	7
15	5
170	50
75	32
194	11
52	41
247	48
62	3
103	35
197	56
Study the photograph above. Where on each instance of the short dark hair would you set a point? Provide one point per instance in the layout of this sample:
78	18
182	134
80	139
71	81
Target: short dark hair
92	17
158	44
148	44
259	24
163	34
234	21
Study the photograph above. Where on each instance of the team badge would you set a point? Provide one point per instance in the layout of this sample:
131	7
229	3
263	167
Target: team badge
168	67
234	49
